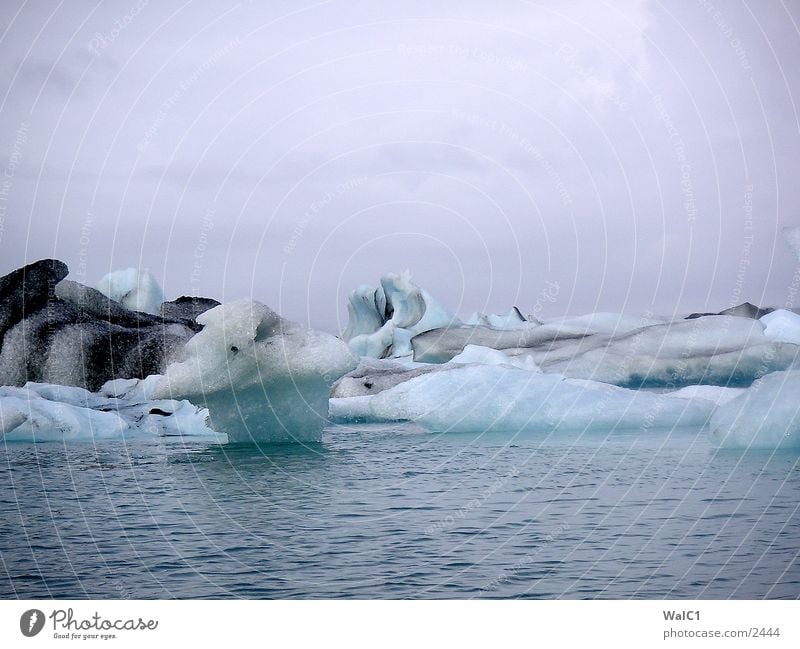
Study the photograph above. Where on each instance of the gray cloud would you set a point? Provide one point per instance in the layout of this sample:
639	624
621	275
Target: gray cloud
643	156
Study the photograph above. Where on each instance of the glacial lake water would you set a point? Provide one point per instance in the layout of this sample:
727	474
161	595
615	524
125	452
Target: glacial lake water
394	512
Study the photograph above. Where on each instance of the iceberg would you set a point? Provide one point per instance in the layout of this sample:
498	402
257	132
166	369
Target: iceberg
475	354
374	375
765	416
511	320
383	320
714	350
40	412
187	308
606	323
354	410
242	369
443	344
483	398
716	394
744	310
135	290
262	378
782	326
57	331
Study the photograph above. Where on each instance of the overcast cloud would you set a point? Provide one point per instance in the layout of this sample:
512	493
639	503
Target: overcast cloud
639	156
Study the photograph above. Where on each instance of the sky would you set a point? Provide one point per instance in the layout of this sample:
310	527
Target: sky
564	157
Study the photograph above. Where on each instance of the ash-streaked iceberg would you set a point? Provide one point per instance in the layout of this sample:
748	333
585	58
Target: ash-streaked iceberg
714	350
604	322
765	416
40	412
511	320
262	378
444	344
383	320
54	330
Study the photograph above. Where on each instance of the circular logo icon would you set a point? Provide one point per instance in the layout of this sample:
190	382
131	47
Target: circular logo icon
31	622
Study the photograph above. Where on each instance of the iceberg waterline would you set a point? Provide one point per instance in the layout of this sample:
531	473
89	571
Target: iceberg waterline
240	371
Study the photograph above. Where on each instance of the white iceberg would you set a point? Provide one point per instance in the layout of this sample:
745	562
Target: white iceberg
482	398
135	290
383	320
765	416
353	410
782	326
262	378
716	394
475	354
41	412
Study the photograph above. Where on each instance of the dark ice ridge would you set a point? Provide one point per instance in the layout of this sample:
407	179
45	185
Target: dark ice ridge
58	331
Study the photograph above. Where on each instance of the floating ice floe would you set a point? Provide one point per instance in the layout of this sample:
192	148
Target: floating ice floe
383	320
482	398
262	378
40	412
134	289
765	416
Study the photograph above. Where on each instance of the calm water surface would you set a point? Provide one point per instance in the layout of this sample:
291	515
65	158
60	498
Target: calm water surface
392	512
